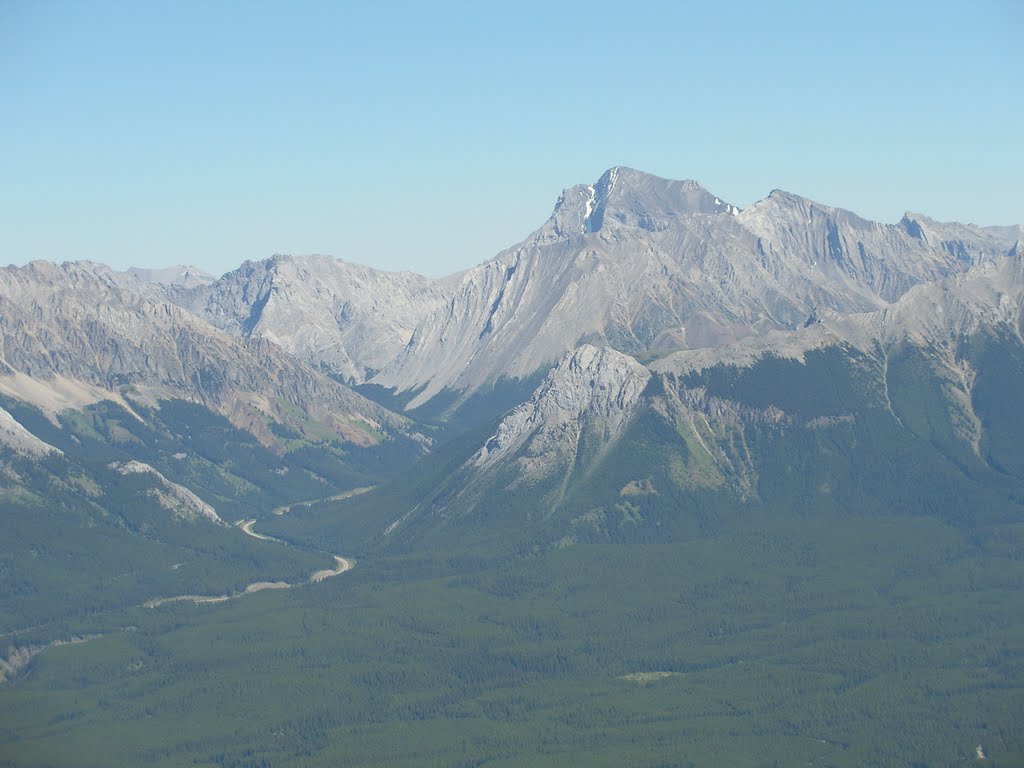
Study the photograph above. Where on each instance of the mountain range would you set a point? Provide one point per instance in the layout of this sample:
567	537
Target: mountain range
633	262
634	284
670	482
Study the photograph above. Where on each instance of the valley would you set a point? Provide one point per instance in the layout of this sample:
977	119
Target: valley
521	662
670	482
342	565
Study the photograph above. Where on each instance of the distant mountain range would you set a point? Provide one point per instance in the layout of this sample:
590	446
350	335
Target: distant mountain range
343	318
634	262
81	333
178	276
669	481
636	302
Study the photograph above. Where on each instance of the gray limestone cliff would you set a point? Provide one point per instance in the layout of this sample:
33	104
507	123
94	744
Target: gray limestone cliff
646	265
591	391
346	319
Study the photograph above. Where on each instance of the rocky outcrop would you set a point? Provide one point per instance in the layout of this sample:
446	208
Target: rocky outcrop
590	394
938	314
13	435
176	498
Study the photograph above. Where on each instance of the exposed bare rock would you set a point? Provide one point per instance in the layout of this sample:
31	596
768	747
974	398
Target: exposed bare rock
934	316
56	393
791	345
345	318
591	392
855	263
176	498
77	330
937	314
646	265
15	436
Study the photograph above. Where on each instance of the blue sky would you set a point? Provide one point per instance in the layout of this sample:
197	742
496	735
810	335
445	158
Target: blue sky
430	135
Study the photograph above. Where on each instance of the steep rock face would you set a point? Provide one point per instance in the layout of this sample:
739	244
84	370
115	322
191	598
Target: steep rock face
75	333
864	262
171	496
606	266
935	317
344	318
541	448
937	314
647	265
13	435
629	198
591	391
962	240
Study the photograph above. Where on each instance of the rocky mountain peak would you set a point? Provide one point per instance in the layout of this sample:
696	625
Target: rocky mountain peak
595	379
644	264
911	224
178	276
591	388
963	241
345	318
782	206
625	197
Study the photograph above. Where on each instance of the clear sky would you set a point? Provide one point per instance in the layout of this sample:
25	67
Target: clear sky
430	135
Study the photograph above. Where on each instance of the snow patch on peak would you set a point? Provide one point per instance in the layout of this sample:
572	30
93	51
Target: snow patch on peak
613	176
591	196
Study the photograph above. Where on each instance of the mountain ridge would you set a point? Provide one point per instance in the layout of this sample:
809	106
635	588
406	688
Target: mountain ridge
639	263
79	333
668	266
704	421
345	318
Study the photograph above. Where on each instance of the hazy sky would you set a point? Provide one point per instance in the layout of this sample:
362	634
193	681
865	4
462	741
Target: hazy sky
430	135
